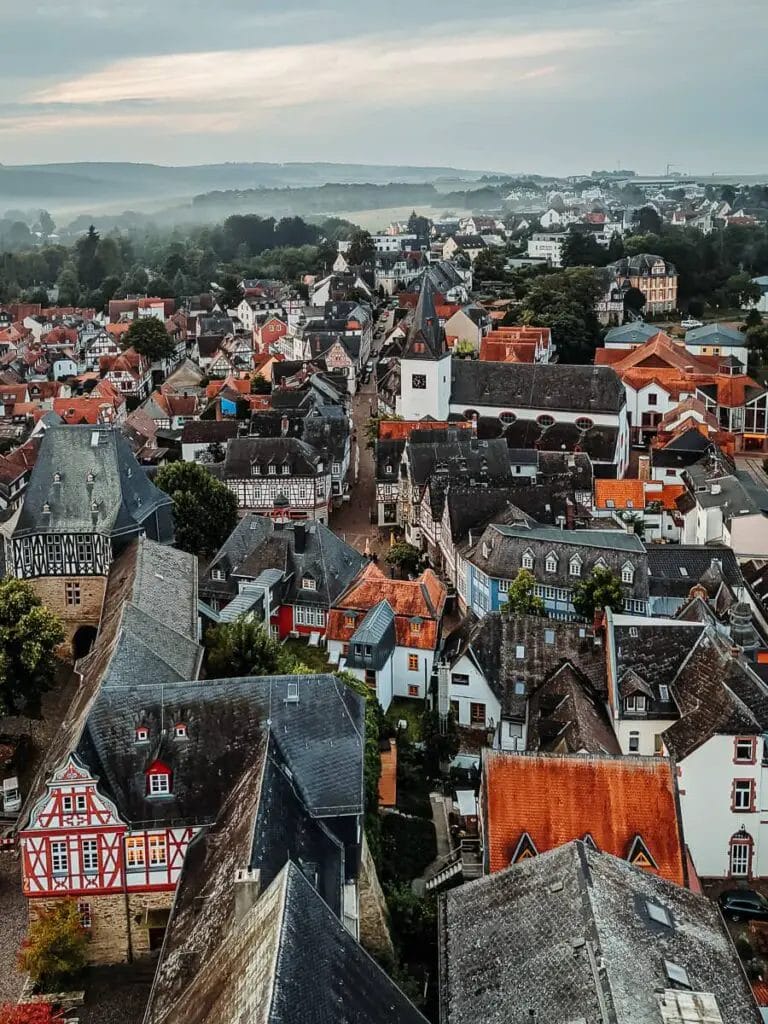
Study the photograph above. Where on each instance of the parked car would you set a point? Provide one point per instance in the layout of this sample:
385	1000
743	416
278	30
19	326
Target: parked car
689	324
11	797
743	905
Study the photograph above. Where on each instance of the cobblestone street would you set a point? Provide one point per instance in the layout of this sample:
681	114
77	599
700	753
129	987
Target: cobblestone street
13	921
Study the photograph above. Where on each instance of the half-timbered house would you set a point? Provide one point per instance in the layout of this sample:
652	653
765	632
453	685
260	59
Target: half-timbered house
87	498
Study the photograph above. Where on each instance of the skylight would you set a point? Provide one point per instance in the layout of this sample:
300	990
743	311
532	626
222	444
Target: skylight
677	974
658	914
683	570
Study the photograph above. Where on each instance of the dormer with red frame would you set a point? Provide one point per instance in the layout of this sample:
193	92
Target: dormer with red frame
159	779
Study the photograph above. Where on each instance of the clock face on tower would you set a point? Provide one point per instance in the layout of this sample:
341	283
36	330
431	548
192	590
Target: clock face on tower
419	382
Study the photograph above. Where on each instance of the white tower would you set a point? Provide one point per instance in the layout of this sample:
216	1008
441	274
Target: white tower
425	365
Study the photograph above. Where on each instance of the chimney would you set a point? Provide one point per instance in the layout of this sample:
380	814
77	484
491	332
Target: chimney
284	426
247	890
474	424
299	538
644	467
715	488
561	522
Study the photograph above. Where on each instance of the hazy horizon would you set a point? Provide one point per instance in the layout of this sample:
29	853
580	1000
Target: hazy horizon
552	87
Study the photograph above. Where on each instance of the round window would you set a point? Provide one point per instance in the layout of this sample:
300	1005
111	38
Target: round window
584	423
507	418
546	420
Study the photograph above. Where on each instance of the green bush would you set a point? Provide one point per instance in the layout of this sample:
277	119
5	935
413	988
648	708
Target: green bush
409	845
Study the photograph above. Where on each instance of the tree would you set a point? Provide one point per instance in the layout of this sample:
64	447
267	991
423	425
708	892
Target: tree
374	720
361	249
149	338
441	745
740	290
648	221
205	510
245	648
47	224
68	285
89	267
634	300
405	557
215	452
230	295
29	636
752	319
757	346
521	599
615	248
565	302
601	589
260	385
581	250
54	952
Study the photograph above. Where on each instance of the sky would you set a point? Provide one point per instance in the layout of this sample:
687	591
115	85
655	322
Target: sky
547	86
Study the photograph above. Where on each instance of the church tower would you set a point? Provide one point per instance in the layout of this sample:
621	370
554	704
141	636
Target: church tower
425	365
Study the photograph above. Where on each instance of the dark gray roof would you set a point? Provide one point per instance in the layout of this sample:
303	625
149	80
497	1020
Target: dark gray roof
631	334
506	545
120	499
639	265
320	737
566	714
208	431
245	452
425	338
459	456
674	568
309	967
716	334
377	633
567	937
589	389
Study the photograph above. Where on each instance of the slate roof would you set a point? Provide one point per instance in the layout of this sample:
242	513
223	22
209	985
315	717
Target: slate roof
245	452
640	265
567	715
716	334
674	568
631	334
425	338
258	543
377	632
287	960
522	946
208	431
225	719
736	494
506	545
459	455
552	386
613	799
120	500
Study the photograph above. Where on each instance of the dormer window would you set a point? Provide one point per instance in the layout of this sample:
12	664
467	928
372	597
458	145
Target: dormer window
527	559
142	734
272	471
308	583
286	469
635	705
180	731
551	562
627	573
218	574
575	566
486	550
349	621
600	563
89	478
159	784
57	478
255	469
416	626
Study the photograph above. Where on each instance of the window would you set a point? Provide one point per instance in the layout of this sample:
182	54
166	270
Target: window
630	503
53	549
664	693
370	678
519	652
677	974
546	420
634	742
59	858
743	795
84	910
66	804
416	627
159	784
741	855
584	423
134	852
180	731
349	621
413	663
610	503
658	914
503	586
84	548
272	471
72	593
653	398
80	803
218	574
627	574
419	381
157	855
549	637
575	567
306	615
507	418
89	854
413	690
527	560
477	714
600	563
286	469
551	562
635	703
460	678
744	750
142	734
308	583
255	470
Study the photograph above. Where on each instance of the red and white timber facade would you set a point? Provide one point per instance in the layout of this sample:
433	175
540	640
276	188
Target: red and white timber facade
76	846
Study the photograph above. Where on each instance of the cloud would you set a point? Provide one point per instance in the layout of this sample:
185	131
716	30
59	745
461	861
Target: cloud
376	70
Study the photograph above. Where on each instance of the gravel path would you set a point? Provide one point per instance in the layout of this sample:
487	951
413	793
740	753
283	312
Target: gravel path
13	927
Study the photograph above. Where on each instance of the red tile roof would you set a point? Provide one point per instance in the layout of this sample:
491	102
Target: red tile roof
620	492
554	798
388	777
400	430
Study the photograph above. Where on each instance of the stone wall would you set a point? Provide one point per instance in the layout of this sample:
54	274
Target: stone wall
374	919
52	592
111	917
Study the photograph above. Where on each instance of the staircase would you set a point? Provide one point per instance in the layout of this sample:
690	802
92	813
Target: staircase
463	863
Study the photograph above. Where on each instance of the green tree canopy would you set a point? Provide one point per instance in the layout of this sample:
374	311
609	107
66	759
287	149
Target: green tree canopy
361	249
405	557
581	250
245	648
565	302
521	596
149	338
601	589
54	951
205	510
29	636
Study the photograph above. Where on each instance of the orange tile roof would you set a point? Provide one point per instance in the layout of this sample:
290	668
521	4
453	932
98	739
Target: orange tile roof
422	598
400	430
621	493
554	798
388	777
669	495
118	329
